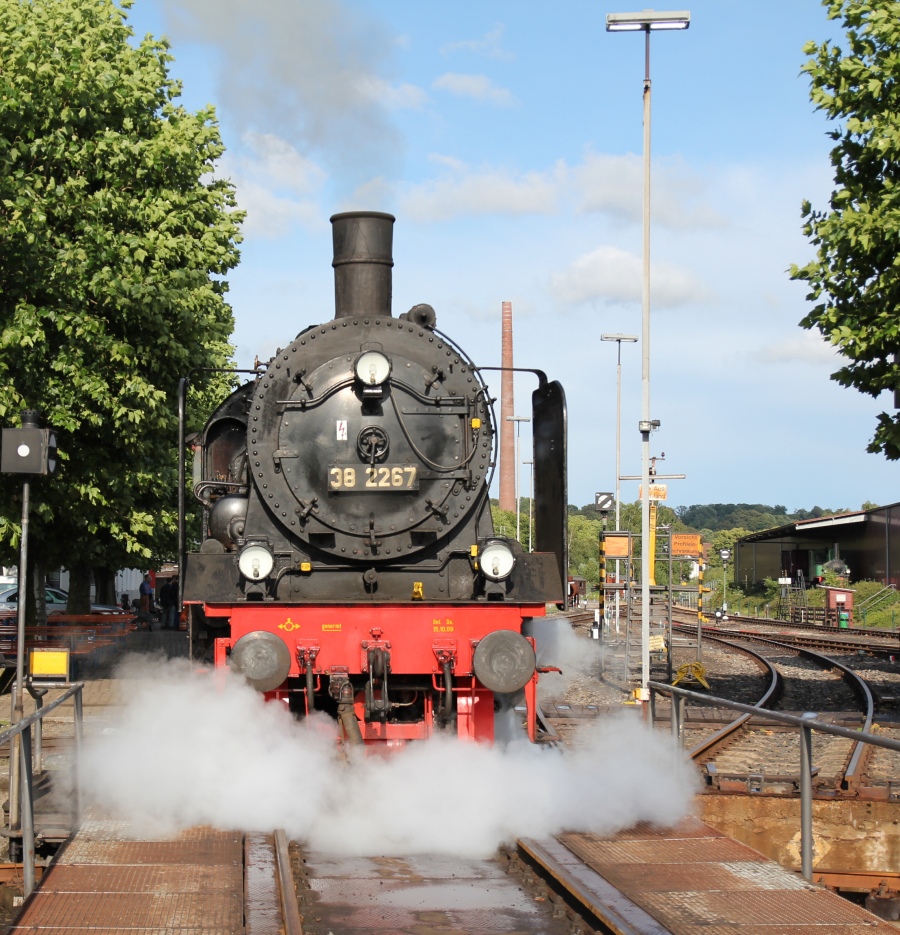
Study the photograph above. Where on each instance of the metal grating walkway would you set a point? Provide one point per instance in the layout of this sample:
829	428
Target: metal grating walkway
693	880
104	882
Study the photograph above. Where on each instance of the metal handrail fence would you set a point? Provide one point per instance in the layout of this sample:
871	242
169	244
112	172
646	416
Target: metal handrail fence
807	724
24	822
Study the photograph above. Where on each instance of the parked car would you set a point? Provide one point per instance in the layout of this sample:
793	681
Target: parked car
57	602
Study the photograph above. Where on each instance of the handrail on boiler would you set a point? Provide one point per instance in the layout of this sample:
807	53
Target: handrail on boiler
806	724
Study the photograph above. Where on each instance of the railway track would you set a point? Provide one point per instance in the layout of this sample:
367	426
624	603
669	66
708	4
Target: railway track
530	887
844	677
523	890
270	897
873	641
875	633
754	755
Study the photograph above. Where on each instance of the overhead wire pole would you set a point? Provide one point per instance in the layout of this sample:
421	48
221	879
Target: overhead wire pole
530	503
630	339
518	420
646	22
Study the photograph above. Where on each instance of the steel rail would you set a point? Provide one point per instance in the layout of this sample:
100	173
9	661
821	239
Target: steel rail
601	899
770	695
818	636
877	632
855	682
290	910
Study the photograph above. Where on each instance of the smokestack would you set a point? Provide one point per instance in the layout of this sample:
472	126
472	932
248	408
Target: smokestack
507	408
362	263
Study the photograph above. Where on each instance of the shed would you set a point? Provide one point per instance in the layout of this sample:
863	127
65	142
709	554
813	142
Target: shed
868	541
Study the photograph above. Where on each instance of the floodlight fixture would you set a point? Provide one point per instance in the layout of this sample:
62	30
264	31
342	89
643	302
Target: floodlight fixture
648	20
630	338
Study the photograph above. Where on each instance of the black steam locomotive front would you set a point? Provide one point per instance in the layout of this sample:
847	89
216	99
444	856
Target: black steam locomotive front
354	471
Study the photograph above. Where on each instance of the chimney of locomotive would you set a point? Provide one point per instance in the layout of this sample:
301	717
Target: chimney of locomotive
362	263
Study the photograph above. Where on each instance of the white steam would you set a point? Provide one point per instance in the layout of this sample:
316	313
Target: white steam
560	646
194	749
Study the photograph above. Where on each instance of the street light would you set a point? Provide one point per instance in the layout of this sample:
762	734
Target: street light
518	420
646	21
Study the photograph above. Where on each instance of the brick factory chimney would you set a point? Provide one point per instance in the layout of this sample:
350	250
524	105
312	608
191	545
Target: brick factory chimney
507	408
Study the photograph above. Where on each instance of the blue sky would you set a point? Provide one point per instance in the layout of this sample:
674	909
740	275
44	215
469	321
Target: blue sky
506	138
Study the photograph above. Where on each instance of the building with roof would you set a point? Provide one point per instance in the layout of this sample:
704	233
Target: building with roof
867	541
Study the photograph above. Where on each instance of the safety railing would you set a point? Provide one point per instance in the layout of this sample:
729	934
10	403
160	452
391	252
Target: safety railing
806	724
873	600
22	818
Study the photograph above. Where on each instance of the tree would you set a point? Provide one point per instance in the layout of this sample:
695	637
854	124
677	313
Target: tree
114	236
855	279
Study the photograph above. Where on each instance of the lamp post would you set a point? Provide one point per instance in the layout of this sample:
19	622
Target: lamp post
518	420
647	21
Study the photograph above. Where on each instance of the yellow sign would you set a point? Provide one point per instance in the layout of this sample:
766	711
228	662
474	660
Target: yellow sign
49	663
439	626
334	627
657	491
289	625
657	643
617	545
686	543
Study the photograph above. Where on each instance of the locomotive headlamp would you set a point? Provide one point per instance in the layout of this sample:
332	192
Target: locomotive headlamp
372	368
256	562
497	561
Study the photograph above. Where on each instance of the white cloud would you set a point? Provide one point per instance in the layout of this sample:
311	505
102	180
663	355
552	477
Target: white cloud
613	276
602	184
276	185
393	96
490	45
490	191
478	87
281	163
614	185
451	162
808	347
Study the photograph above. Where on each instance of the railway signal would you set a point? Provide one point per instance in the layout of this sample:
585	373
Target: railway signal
27	450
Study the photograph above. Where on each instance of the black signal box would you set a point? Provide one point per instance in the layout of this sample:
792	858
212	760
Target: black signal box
28	451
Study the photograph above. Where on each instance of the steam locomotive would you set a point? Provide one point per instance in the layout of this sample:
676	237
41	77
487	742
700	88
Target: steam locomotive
348	561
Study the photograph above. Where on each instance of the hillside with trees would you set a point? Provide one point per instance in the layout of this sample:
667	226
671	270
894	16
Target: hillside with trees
720	525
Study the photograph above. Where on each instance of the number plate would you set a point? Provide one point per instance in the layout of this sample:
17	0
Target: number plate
383	477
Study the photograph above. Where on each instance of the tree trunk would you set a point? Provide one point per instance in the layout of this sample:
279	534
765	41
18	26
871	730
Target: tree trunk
105	586
80	588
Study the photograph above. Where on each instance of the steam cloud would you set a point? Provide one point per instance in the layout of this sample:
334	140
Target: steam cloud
313	72
194	749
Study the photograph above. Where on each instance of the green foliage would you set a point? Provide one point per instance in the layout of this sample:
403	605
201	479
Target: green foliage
720	530
854	282
114	236
723	539
753	517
